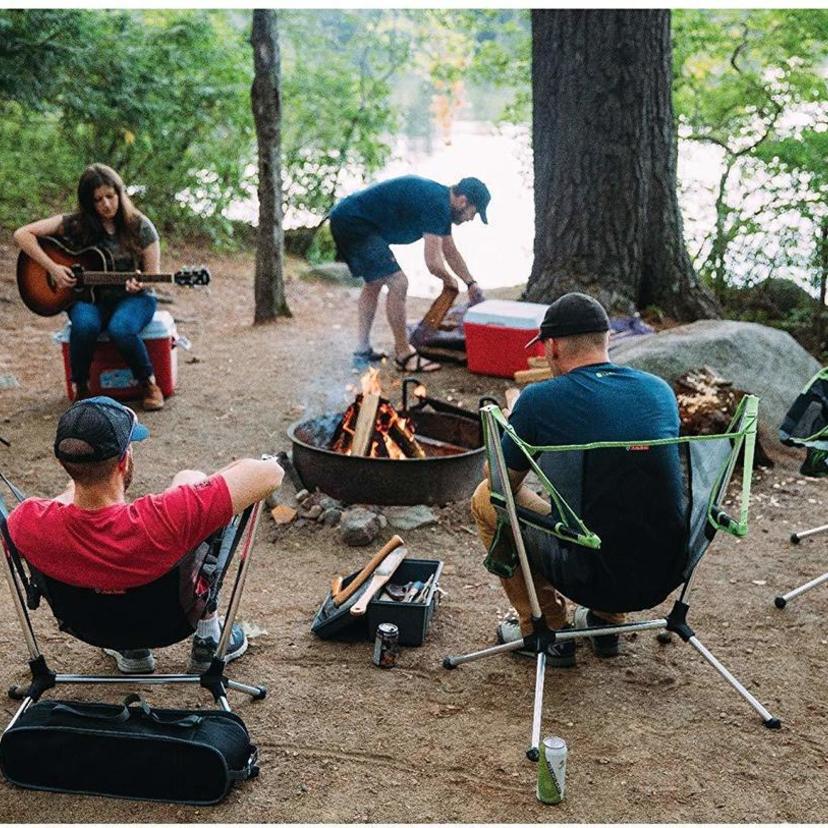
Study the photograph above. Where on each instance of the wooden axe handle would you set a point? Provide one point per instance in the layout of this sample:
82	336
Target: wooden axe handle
381	576
340	596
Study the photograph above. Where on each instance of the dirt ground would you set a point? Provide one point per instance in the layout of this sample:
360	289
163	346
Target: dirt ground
654	735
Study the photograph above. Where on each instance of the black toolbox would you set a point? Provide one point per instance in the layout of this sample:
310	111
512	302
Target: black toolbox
411	619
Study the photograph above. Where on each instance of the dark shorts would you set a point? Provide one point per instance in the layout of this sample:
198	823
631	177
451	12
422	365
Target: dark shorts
366	253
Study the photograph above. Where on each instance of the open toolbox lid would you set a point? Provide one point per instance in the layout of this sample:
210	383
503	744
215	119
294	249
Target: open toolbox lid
506	313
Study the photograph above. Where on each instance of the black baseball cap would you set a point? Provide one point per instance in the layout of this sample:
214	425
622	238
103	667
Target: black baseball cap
572	314
477	193
97	429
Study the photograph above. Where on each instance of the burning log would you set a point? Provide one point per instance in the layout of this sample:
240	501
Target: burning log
372	427
365	424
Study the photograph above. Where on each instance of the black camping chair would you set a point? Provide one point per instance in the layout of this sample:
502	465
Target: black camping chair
806	426
157	614
624	531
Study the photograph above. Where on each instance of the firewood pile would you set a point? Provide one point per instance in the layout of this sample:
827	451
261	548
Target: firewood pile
707	402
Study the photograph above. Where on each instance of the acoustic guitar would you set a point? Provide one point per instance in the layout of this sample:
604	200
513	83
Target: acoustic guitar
92	267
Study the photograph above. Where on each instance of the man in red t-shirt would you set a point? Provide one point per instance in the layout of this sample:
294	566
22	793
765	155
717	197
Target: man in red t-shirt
91	536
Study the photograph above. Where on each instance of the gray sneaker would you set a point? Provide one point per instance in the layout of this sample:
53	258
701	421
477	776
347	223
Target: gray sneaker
133	661
605	646
204	649
561	654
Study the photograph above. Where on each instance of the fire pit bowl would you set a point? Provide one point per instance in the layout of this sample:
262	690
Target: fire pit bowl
434	479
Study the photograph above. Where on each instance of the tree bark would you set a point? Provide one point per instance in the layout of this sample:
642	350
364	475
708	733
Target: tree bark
607	220
267	113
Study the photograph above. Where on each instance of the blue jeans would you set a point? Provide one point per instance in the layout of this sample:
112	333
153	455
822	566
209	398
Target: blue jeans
123	318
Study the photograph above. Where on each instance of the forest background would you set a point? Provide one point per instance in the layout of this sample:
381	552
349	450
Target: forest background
164	97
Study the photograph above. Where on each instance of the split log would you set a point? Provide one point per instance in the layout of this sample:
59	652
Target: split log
365	424
533	375
434	316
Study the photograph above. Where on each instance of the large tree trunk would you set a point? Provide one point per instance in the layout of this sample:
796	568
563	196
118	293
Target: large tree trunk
267	113
607	220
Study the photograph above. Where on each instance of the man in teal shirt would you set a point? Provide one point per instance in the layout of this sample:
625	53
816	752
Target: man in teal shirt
402	211
591	400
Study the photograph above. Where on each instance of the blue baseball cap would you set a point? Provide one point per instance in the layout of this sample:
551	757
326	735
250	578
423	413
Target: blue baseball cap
96	429
477	193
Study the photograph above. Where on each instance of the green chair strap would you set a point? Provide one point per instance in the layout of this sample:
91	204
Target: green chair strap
741	432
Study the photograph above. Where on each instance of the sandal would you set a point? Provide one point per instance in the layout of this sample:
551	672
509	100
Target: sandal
421	364
370	356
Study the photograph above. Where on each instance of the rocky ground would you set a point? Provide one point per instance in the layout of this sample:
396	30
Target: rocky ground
654	735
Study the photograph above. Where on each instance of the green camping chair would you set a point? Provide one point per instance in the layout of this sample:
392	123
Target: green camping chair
806	425
629	524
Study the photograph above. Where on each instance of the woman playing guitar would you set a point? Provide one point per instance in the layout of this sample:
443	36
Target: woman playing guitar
106	219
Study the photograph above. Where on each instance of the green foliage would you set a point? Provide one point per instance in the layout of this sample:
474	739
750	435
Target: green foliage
337	68
752	83
160	96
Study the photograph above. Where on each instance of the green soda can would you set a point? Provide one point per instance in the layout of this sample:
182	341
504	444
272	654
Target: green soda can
552	770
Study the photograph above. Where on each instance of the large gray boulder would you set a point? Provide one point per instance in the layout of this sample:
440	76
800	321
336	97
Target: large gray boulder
758	359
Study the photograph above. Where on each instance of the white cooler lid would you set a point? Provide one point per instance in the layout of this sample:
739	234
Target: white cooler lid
506	313
161	326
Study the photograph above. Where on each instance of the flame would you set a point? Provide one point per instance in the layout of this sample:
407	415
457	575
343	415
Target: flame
370	382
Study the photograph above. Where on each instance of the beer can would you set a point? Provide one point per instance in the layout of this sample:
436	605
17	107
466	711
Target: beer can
386	645
552	770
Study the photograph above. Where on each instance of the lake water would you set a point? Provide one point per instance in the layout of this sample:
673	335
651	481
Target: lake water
500	254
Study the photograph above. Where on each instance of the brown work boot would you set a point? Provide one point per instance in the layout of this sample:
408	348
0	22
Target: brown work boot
153	398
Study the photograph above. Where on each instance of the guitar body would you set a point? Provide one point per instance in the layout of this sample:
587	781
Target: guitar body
37	288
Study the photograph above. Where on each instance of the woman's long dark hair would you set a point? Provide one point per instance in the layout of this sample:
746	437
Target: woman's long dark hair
86	225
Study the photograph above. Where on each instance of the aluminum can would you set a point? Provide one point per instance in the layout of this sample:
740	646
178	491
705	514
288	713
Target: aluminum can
552	770
386	645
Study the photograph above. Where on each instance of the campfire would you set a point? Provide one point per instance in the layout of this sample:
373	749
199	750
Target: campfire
372	427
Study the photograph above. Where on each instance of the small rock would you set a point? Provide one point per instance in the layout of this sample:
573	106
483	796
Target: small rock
383	521
283	514
410	517
329	503
330	517
302	494
314	512
358	526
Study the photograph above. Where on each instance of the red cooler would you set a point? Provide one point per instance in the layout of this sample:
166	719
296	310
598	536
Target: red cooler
110	375
497	331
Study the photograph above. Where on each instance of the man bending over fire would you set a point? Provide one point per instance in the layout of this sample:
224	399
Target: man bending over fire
402	211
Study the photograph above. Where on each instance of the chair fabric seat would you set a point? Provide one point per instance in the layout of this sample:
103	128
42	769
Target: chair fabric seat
158	614
637	503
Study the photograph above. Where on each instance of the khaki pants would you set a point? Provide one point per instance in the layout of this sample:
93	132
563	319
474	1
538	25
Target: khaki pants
552	603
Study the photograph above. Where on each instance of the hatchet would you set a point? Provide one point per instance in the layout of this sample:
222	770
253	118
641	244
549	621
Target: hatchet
381	575
340	596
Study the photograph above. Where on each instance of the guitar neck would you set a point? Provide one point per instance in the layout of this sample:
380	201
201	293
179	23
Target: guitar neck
105	277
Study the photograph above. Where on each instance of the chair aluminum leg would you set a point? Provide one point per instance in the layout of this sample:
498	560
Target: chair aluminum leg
540	671
796	537
781	600
769	721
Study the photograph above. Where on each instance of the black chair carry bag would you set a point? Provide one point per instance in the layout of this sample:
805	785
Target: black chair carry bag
131	751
